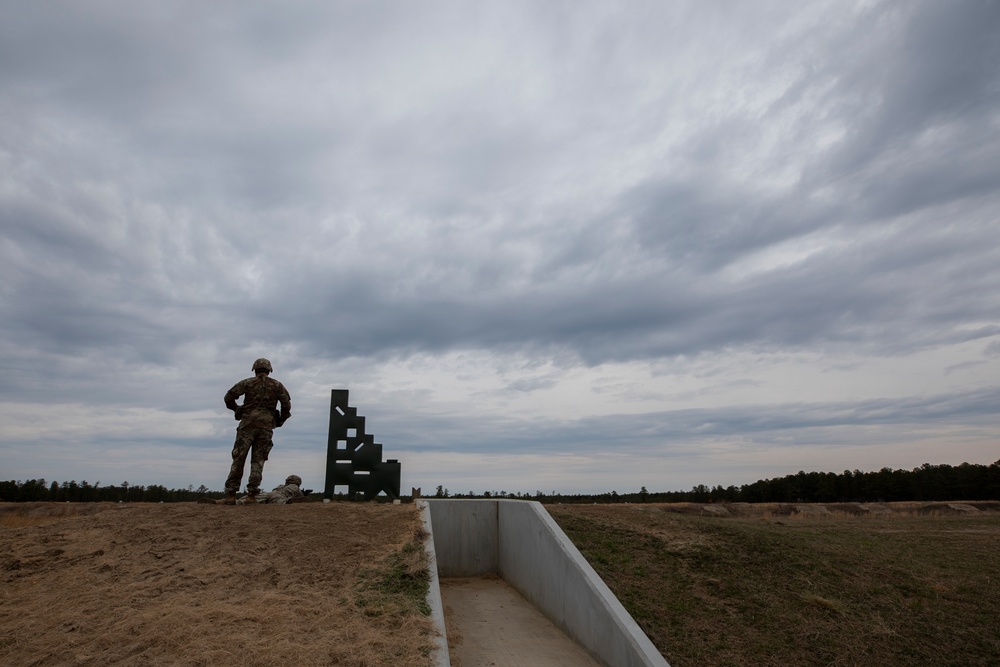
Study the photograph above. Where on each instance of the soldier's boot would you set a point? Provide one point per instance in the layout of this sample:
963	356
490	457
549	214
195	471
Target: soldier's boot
251	498
230	498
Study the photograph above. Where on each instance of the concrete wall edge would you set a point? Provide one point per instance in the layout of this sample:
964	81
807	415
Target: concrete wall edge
440	656
641	644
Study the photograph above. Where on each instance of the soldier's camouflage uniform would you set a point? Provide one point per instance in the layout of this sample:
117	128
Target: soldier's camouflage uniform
258	418
279	495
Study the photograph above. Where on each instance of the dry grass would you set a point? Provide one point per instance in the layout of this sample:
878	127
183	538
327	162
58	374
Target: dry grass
899	584
23	515
186	584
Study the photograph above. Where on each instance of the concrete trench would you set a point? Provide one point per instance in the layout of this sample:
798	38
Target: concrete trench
518	592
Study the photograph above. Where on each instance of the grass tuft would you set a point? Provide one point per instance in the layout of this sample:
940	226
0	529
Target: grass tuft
824	603
399	585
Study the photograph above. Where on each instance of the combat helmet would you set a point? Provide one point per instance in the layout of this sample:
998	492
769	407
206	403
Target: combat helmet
262	364
293	479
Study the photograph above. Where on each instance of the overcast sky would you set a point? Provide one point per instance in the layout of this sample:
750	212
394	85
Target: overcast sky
558	246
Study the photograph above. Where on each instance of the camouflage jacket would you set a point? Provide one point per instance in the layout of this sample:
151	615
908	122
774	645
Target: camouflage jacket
260	405
279	495
282	494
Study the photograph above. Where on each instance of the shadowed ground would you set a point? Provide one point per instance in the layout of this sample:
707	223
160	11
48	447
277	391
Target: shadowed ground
491	624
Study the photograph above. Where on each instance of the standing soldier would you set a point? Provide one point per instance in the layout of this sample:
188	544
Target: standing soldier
258	417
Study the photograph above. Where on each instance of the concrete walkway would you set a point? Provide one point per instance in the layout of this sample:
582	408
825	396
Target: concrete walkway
490	625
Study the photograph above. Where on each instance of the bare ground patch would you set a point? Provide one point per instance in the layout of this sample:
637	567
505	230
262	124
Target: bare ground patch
187	584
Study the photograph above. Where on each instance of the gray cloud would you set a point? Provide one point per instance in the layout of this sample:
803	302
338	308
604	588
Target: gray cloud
186	185
783	425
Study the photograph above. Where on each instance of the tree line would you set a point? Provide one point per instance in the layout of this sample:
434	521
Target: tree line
968	481
38	490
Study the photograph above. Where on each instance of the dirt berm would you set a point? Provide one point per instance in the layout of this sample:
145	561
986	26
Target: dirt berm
189	584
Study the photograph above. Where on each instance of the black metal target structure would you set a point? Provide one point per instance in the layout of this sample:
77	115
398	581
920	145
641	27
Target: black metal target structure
353	458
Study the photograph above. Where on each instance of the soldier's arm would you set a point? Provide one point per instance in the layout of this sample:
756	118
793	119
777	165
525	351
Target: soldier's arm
301	496
232	395
286	403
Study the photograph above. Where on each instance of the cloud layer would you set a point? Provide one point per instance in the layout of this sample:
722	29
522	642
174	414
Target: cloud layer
509	229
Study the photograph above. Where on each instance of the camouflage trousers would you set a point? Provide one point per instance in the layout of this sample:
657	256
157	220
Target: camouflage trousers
255	441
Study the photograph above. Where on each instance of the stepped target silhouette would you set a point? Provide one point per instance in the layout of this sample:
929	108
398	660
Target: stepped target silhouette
353	458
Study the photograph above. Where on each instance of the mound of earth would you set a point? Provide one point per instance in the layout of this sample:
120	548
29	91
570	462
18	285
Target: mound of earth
189	584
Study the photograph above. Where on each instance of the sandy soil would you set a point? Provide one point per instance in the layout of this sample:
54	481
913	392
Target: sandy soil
189	584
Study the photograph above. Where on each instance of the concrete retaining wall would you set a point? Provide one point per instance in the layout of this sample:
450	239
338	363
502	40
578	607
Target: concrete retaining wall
520	542
440	656
465	537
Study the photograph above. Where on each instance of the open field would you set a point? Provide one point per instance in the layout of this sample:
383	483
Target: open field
342	584
740	585
187	584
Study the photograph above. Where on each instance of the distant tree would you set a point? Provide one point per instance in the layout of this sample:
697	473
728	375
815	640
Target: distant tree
9	490
33	490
